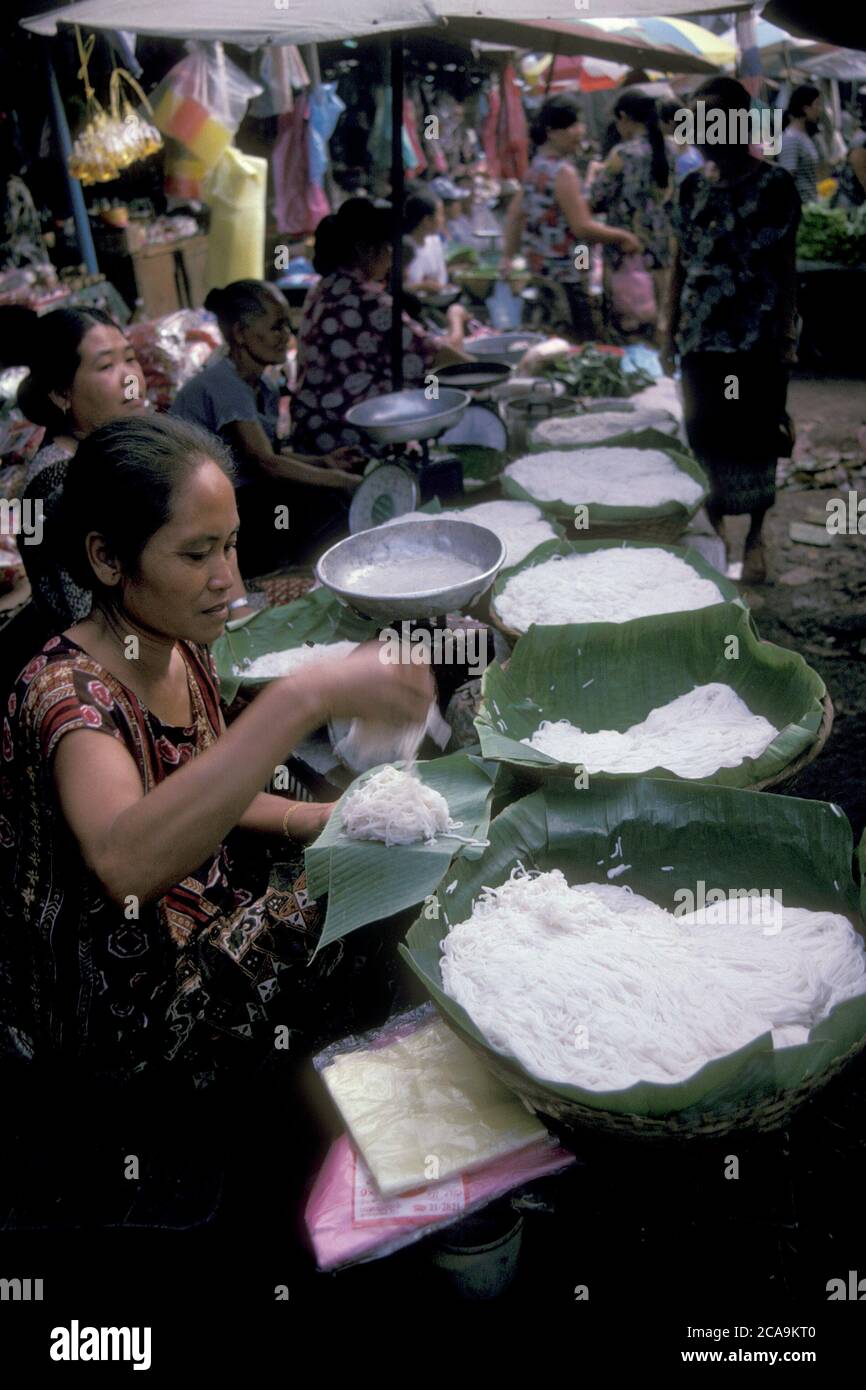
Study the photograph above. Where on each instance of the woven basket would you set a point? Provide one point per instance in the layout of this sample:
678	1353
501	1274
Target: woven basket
755	1116
788	775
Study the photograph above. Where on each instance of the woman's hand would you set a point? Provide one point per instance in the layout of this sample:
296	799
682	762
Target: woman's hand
347	456
628	242
365	686
333	477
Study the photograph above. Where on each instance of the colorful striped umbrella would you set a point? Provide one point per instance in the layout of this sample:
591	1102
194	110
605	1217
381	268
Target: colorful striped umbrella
680	34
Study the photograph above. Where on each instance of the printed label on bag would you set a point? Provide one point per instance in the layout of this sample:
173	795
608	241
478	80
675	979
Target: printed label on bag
416	1208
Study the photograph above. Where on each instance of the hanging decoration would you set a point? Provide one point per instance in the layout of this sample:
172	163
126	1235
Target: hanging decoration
110	140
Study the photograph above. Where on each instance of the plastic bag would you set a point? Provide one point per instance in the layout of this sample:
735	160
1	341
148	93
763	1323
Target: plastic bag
632	293
505	307
236	191
202	101
420	1106
348	1222
172	349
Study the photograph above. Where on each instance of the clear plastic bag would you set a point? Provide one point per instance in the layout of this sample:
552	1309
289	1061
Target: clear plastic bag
202	101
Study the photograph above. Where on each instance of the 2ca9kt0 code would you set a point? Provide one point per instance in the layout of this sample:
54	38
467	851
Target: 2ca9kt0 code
785	1331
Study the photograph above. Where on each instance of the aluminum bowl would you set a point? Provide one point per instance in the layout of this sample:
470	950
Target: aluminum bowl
409	541
404	415
504	347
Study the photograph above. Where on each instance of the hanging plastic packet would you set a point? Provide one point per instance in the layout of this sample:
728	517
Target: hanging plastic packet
202	101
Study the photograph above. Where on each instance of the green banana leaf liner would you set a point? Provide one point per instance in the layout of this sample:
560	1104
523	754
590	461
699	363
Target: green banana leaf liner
640	439
367	881
546	551
316	617
611	675
726	837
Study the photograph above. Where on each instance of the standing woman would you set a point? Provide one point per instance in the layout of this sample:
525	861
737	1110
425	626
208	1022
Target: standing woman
634	188
799	154
231	398
732	320
550	217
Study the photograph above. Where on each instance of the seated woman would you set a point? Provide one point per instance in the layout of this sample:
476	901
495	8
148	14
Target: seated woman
423	220
231	398
132	939
344	341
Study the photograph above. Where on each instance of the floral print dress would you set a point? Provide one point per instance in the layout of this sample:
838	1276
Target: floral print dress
625	191
344	357
57	596
192	978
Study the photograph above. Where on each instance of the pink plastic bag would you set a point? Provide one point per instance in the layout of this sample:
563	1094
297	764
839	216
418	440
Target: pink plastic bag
632	293
349	1222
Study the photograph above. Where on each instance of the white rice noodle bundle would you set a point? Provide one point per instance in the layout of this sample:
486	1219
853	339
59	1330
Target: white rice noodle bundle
694	735
520	525
612	585
616	476
288	663
396	808
596	987
598	425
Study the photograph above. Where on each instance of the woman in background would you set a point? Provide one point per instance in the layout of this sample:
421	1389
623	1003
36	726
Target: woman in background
424	224
633	188
550	218
344	341
232	398
799	154
732	321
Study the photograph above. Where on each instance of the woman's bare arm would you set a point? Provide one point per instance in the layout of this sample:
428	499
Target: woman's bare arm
569	195
250	441
140	845
514	223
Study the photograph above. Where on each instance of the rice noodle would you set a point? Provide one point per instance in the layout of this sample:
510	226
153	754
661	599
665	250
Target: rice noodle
520	525
616	476
694	735
594	986
611	585
288	663
395	807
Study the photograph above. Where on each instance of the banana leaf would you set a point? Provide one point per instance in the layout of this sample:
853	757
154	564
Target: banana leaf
598	512
611	675
672	834
366	881
546	551
480	464
316	617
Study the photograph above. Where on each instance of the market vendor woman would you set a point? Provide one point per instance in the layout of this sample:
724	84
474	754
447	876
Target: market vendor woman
344	347
232	399
131	937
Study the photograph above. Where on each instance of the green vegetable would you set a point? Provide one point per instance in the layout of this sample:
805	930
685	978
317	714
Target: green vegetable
832	234
594	373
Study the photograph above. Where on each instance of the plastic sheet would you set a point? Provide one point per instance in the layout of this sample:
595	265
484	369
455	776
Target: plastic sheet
420	1106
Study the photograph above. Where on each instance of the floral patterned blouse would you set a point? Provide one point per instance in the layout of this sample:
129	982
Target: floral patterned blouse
189	979
626	192
731	239
549	241
344	357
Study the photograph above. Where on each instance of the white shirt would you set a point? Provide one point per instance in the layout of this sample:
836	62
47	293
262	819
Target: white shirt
428	263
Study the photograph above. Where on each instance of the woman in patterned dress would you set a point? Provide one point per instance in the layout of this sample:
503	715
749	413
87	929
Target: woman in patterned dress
344	347
549	217
732	320
132	940
633	188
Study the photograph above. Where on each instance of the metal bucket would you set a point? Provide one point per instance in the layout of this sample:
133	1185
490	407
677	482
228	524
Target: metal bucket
479	1255
524	412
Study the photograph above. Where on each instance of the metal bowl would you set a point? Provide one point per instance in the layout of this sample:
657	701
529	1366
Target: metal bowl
503	347
345	568
474	376
404	415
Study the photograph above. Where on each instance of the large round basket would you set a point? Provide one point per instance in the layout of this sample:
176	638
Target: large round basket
788	775
664	529
758	1117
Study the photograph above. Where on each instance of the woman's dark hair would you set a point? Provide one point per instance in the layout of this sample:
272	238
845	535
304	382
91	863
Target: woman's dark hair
358	226
416	208
730	96
52	351
800	98
557	113
668	111
643	109
239	302
121	483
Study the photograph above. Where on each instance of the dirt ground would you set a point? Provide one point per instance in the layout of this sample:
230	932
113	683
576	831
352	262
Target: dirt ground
815	599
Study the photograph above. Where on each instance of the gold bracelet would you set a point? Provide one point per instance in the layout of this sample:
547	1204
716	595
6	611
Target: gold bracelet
290	812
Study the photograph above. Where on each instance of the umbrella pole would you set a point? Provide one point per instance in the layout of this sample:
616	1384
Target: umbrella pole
397	187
